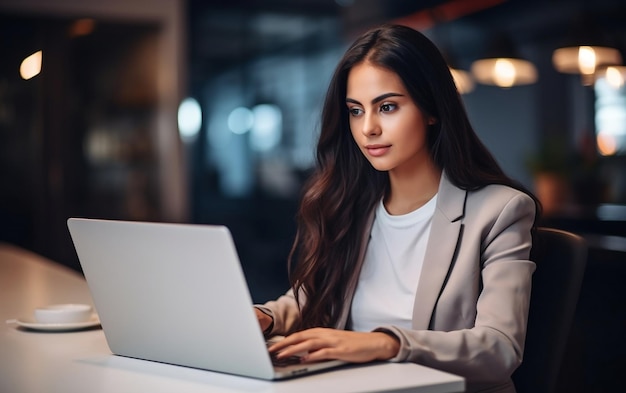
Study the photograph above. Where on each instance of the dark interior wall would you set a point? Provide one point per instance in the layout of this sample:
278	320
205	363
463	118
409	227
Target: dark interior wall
75	139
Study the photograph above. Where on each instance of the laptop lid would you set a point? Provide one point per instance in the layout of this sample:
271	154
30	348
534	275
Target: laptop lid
174	293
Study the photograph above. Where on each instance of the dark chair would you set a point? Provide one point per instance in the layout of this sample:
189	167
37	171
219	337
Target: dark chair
561	258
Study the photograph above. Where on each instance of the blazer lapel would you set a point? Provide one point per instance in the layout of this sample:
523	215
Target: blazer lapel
442	243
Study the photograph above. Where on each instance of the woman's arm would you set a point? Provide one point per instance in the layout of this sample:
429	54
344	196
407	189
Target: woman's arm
490	348
283	312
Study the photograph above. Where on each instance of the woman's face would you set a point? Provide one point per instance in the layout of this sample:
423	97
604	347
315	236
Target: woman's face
389	128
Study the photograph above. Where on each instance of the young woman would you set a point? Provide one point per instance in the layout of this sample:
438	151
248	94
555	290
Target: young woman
412	243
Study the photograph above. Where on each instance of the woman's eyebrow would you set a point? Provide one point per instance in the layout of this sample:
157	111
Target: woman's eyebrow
376	99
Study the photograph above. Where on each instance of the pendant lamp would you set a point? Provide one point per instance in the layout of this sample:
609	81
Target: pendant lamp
502	66
585	60
586	51
462	79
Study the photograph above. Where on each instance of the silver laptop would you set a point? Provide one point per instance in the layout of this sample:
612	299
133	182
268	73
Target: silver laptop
175	293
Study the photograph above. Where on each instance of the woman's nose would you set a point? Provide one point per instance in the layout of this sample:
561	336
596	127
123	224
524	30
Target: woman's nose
371	126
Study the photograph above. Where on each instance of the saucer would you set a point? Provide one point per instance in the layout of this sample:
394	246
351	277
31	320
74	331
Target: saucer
31	323
63	313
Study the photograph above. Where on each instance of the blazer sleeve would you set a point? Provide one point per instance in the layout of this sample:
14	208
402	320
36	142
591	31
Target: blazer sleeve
284	312
489	347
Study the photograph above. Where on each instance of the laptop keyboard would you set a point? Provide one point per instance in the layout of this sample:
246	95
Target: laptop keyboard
288	361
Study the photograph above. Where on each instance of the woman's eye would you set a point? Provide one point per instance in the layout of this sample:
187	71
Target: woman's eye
355	111
387	107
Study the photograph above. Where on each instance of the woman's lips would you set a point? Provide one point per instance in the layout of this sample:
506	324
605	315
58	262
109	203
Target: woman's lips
377	150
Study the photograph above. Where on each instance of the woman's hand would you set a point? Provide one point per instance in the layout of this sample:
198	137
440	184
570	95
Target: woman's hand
264	320
324	344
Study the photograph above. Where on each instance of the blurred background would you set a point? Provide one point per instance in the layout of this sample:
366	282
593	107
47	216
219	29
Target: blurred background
207	112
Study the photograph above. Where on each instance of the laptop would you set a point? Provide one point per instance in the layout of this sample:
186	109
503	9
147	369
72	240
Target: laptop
175	293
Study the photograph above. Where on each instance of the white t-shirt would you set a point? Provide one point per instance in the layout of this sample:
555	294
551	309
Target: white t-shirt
385	293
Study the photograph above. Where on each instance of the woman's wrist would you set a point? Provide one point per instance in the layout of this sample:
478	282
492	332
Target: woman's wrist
266	321
389	344
270	326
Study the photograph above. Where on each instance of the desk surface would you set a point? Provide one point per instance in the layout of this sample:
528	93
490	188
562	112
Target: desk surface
79	361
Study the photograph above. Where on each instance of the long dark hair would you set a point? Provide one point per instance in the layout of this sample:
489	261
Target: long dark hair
344	188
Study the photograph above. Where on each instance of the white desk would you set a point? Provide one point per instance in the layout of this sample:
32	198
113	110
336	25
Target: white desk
80	361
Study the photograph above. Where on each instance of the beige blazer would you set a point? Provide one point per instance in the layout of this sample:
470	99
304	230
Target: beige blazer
471	306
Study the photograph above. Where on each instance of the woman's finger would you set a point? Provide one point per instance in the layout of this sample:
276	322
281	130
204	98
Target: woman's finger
295	338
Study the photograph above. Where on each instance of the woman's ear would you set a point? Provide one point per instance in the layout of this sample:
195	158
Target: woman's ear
431	121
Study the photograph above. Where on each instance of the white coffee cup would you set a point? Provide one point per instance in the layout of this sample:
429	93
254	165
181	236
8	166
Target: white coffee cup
63	313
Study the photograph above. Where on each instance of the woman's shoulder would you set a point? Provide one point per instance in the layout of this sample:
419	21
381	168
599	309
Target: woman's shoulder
455	202
498	196
497	190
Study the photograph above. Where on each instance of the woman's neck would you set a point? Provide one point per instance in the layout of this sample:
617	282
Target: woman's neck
410	191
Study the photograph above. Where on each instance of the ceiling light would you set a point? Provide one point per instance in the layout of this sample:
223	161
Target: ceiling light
504	71
587	49
463	80
585	60
31	66
502	66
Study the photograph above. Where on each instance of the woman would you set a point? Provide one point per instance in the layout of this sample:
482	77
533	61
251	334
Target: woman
412	243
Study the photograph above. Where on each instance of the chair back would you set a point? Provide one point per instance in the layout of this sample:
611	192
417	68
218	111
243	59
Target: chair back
561	258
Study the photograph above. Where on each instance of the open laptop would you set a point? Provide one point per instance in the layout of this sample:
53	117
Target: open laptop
175	293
